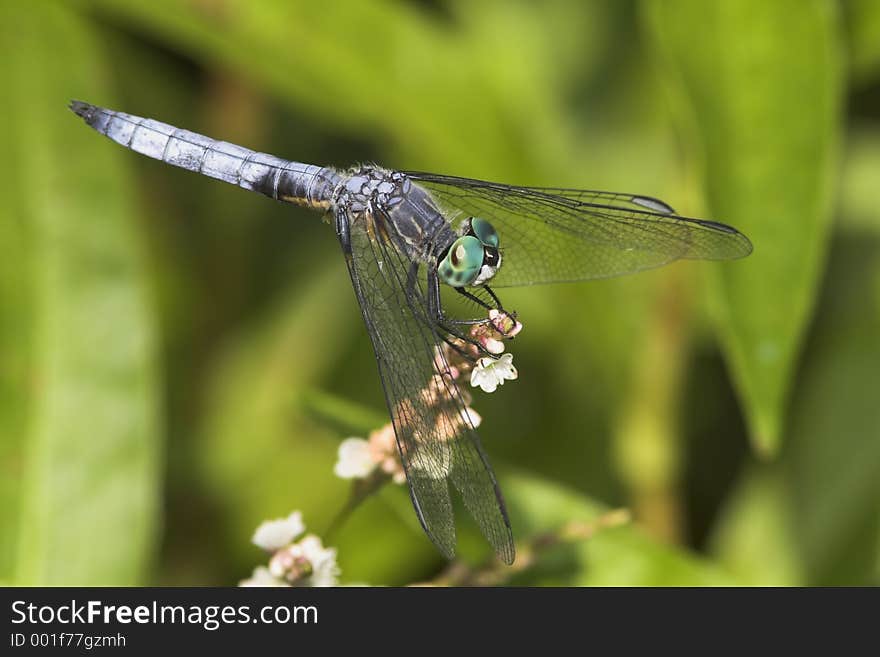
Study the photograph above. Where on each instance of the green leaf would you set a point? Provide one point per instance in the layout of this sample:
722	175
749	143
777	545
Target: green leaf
816	520
342	413
834	442
80	433
619	556
765	115
755	536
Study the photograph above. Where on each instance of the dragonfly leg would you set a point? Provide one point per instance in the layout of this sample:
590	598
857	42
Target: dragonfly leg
479	301
435	306
451	333
449	326
497	307
494	298
342	232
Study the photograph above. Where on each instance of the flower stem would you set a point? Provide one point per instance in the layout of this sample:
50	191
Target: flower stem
361	489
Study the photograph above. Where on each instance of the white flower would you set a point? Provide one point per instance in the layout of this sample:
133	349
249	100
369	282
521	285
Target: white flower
384	452
306	563
354	459
474	417
325	571
262	577
275	534
492	345
489	373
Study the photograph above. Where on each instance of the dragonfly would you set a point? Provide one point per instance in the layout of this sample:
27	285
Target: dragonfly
410	239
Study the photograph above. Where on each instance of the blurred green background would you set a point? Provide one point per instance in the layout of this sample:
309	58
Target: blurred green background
179	360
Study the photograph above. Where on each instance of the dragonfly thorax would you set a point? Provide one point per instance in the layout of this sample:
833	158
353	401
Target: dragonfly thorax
371	188
396	207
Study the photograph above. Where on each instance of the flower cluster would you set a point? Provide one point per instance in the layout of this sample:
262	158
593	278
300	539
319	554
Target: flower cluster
296	560
361	459
486	372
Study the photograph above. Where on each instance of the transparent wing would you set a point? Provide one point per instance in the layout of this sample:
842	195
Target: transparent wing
434	432
555	234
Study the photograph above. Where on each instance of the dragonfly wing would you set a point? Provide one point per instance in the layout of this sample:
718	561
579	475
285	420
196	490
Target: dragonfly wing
554	235
435	434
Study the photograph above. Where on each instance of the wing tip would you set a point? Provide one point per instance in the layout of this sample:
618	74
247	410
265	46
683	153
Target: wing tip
507	553
504	546
748	247
446	546
743	245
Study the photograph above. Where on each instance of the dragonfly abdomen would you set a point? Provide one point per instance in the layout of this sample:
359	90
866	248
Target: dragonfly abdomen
292	182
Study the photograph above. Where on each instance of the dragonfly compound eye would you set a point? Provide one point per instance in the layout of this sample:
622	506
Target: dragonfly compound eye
462	263
483	231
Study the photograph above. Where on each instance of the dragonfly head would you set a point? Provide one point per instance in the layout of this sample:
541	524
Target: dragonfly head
473	258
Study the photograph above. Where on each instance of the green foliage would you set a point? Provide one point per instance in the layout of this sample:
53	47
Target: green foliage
244	322
768	170
754	536
80	421
834	433
618	556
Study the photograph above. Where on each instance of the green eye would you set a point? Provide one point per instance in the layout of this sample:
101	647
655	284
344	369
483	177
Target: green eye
462	263
484	231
